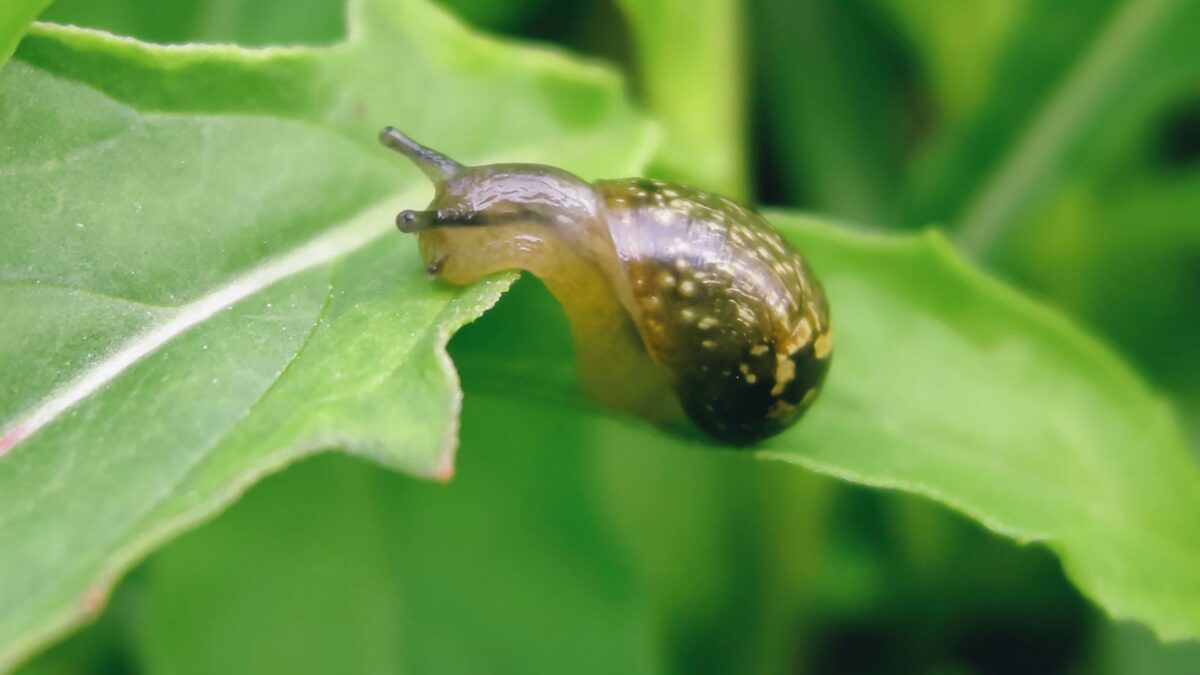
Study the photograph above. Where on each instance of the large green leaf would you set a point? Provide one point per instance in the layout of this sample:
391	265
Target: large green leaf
1132	244
948	384
335	566
749	533
1078	158
257	23
198	282
15	17
521	464
952	386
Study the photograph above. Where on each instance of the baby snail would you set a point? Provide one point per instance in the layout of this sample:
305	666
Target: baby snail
667	289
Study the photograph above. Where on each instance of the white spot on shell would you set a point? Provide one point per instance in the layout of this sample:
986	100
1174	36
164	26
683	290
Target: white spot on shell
800	336
785	371
781	407
746	315
824	344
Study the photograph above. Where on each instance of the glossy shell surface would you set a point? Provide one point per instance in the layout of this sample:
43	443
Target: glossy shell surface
727	305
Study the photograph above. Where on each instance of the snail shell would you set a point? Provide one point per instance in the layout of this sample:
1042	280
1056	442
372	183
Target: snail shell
680	301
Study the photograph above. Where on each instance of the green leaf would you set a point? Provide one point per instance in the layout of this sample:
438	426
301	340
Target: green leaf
1133	247
15	17
960	43
258	23
1143	47
1069	80
947	384
336	566
199	283
832	85
1077	160
950	385
689	61
1129	648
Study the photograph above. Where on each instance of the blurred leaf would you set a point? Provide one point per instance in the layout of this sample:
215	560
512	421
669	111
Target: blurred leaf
1035	56
952	594
689	62
1096	208
508	16
15	17
336	566
1129	648
749	535
1146	45
960	43
257	23
103	647
952	386
1133	248
831	88
197	279
1070	75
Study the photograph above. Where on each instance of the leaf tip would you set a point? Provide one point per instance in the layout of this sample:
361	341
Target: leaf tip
10	439
93	601
444	471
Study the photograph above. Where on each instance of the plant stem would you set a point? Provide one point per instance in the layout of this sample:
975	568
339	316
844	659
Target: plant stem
1071	119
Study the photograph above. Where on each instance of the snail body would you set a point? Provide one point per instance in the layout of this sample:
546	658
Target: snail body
679	301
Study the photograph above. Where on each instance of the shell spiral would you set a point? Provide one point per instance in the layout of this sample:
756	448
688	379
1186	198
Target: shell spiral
678	299
726	304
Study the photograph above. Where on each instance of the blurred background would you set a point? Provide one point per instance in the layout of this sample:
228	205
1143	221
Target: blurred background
1057	142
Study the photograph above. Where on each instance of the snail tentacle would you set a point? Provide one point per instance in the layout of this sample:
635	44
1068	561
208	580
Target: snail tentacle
438	167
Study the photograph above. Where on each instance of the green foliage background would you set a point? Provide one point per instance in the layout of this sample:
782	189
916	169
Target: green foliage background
1057	144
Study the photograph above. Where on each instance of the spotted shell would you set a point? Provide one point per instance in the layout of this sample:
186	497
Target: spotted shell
724	303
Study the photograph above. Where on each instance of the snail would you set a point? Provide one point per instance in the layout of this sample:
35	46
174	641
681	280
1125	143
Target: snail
679	301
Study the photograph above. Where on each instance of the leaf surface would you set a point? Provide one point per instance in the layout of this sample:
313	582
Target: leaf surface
199	281
948	384
15	17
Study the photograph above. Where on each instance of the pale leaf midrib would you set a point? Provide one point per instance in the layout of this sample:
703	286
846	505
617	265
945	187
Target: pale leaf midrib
333	243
